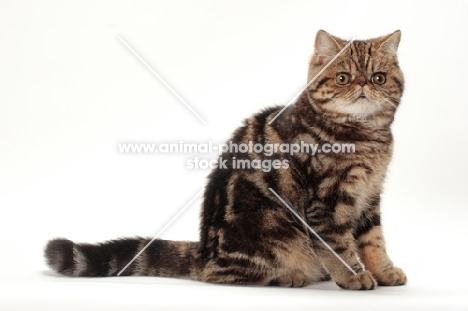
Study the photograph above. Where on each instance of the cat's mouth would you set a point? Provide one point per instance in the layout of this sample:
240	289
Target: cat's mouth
361	96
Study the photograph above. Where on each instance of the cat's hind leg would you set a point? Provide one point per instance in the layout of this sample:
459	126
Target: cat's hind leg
288	263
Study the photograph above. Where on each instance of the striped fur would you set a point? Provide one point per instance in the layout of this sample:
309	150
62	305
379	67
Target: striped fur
246	235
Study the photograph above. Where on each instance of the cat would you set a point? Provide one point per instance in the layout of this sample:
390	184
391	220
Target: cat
247	235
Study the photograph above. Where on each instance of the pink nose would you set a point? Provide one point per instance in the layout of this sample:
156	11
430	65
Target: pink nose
361	81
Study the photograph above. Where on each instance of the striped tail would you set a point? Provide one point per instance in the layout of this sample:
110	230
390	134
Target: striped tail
161	258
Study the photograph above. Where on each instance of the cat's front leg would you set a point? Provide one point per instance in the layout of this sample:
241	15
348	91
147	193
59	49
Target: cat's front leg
371	244
334	220
350	275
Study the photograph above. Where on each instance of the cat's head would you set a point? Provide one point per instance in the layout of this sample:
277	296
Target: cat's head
363	80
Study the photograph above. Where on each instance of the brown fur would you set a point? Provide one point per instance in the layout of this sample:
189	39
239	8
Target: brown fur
247	234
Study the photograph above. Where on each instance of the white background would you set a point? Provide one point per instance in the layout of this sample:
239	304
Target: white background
70	91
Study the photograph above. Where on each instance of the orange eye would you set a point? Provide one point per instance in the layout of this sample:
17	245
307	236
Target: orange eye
378	78
343	78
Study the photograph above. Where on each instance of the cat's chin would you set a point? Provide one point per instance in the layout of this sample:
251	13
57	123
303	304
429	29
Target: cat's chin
363	107
360	108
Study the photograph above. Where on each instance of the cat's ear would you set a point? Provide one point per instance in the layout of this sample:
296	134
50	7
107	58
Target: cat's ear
326	44
389	44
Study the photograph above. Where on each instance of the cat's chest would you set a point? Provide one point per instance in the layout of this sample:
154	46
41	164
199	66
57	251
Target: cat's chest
353	180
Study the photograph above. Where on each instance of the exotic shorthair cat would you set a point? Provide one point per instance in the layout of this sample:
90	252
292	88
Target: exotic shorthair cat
248	236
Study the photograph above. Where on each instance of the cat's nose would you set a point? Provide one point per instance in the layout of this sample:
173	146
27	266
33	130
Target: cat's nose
361	81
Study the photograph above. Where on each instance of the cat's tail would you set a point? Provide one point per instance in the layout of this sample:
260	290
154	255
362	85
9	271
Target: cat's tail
160	258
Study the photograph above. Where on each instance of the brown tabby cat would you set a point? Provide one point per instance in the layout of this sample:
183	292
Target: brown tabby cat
247	235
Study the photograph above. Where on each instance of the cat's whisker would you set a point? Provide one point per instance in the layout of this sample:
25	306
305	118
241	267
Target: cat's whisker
388	101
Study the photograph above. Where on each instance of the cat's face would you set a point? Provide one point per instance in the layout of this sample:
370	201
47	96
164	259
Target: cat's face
364	80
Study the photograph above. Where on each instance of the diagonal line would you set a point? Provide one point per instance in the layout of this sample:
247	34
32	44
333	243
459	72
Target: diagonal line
313	231
313	79
162	80
388	101
161	231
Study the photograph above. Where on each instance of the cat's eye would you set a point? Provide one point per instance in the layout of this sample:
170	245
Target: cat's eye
378	78
342	78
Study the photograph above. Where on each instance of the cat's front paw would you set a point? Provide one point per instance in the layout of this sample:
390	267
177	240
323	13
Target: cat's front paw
364	280
391	277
